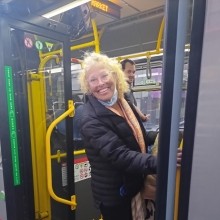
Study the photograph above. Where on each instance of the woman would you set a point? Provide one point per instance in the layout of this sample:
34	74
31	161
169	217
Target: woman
115	141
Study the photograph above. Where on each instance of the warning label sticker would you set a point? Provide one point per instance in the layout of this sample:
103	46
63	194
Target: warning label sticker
82	169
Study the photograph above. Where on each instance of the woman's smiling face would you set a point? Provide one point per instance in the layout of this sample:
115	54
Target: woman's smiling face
101	82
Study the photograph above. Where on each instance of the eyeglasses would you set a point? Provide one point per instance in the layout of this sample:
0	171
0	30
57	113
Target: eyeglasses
104	77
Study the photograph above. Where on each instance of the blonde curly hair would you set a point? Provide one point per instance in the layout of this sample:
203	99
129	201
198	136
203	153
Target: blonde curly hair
94	59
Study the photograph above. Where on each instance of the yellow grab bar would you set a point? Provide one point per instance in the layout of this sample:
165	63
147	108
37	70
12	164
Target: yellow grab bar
96	36
160	35
72	203
41	73
60	155
79	152
176	203
94	43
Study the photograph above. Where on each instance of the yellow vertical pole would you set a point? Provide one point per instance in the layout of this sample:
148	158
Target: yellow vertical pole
160	35
176	204
37	117
38	122
95	43
96	36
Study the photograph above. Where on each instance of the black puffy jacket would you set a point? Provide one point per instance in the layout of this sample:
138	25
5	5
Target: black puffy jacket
117	166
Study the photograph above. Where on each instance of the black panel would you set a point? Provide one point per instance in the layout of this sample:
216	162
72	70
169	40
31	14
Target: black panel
4	134
170	38
20	198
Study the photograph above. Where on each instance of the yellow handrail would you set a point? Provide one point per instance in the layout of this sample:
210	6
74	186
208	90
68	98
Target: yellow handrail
176	204
160	35
72	203
79	152
94	43
56	52
148	54
46	59
96	36
41	71
84	45
60	155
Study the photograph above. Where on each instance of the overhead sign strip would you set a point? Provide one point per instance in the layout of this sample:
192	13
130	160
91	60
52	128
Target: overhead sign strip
12	125
107	8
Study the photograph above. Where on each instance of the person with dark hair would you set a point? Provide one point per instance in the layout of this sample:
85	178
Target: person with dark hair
129	69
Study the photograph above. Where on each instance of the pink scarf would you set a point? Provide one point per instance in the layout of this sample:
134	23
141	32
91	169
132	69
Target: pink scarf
137	203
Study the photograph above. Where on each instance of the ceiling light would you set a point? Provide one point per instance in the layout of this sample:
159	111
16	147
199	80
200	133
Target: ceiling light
65	8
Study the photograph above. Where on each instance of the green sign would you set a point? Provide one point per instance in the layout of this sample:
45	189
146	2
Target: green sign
39	45
12	125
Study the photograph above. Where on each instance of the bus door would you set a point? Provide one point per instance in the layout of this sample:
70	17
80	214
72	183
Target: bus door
35	84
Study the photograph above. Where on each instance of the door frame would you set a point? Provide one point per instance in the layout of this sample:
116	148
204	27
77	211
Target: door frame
20	197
